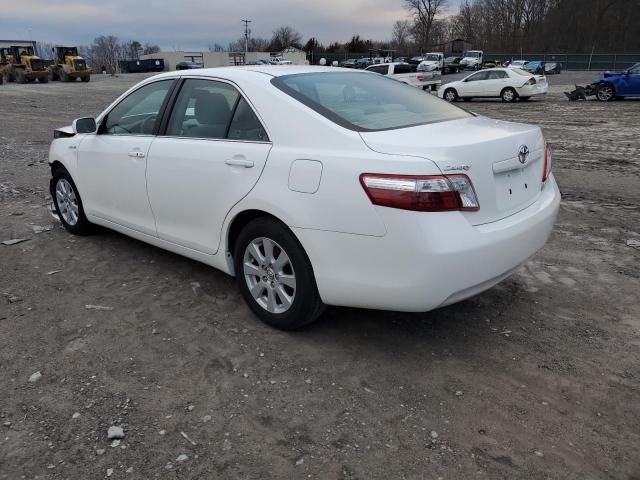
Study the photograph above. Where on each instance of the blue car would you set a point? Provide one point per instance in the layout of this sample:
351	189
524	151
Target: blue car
611	85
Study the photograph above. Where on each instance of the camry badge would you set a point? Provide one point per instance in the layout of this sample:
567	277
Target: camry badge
523	154
449	168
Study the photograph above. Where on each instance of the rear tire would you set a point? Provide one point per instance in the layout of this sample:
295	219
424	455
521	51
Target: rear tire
86	79
44	79
508	95
20	77
68	203
281	291
450	95
65	76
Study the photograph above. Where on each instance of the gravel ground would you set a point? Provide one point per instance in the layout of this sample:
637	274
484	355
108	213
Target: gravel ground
538	377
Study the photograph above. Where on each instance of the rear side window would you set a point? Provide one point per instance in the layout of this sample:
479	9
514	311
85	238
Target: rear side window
203	109
216	110
497	74
364	102
399	69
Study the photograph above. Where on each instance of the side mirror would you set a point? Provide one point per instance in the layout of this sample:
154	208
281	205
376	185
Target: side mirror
84	125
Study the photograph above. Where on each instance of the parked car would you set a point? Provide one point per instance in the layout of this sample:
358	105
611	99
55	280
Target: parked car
452	65
510	84
402	72
415	61
612	85
516	64
552	68
279	61
374	195
363	62
350	63
258	62
188	66
401	60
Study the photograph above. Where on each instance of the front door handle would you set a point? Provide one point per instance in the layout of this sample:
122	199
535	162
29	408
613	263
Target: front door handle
239	162
136	154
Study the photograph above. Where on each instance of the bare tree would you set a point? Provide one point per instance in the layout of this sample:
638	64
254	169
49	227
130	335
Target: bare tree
401	34
254	44
216	47
150	49
284	37
424	13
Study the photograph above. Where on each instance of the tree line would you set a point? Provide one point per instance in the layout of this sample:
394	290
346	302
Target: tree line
576	26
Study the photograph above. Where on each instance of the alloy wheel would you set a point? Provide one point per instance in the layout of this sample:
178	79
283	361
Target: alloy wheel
67	202
605	93
269	274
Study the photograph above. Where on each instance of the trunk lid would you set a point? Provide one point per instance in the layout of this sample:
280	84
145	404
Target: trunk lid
485	150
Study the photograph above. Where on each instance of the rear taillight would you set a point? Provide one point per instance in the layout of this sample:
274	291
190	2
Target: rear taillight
421	193
420	78
548	162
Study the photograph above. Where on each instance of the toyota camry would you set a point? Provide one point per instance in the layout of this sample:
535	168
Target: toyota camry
313	186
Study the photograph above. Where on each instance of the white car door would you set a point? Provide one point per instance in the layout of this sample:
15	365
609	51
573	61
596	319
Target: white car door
211	155
112	163
496	81
474	85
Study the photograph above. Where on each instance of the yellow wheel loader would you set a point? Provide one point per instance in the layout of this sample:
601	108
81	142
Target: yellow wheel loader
68	65
22	65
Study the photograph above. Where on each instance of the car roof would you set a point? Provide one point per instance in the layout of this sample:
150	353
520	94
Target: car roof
270	70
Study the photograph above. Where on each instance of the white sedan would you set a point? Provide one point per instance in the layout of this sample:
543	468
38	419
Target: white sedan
313	186
510	84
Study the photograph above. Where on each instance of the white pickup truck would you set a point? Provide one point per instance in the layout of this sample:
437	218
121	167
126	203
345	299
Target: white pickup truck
402	72
432	61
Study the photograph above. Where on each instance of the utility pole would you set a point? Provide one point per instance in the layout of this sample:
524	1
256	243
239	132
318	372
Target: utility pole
246	34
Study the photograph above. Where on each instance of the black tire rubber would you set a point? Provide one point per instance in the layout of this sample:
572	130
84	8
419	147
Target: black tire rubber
65	76
307	305
86	79
83	226
444	95
515	95
20	77
44	79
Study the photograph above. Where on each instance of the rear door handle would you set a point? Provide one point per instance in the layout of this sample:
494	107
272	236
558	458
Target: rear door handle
239	162
136	154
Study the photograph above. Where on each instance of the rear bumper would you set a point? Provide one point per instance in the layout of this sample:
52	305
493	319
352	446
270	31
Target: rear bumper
426	260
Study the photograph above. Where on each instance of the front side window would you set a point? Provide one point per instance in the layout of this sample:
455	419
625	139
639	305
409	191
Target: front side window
214	110
137	113
478	76
364	102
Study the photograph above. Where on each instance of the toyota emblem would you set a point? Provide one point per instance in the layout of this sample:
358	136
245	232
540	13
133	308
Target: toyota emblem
523	154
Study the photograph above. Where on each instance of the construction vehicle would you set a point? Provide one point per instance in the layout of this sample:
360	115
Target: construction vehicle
68	65
22	65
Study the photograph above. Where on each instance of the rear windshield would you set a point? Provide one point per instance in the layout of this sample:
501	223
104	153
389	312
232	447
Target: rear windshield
521	72
364	101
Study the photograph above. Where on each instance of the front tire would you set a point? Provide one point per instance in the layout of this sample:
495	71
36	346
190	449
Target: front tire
605	92
508	95
68	203
450	95
86	79
275	275
44	79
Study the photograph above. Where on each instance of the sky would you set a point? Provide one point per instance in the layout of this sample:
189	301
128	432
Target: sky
195	24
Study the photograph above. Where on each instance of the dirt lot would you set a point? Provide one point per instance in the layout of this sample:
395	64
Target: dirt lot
537	378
